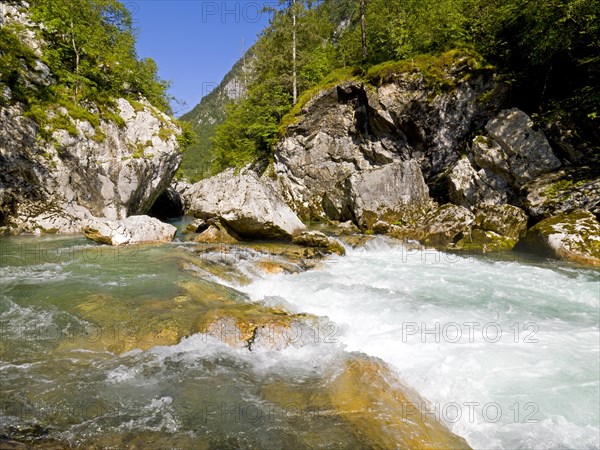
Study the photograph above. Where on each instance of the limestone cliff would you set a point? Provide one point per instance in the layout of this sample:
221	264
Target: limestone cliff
387	156
54	177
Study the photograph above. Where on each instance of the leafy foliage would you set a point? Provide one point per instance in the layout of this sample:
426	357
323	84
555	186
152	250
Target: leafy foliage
89	47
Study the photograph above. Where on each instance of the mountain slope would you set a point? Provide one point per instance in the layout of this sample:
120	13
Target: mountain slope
210	113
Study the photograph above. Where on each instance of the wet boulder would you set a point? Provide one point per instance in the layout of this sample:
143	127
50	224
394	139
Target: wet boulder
445	225
571	236
217	233
319	240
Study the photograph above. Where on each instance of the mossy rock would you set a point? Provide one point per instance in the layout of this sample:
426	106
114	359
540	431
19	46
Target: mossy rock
480	241
505	220
445	224
571	236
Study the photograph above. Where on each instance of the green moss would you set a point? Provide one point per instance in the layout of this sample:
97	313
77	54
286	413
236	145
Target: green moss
63	122
165	133
98	136
484	141
111	116
442	73
480	241
137	106
560	187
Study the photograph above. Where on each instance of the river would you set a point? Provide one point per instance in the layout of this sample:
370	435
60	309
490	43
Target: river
506	349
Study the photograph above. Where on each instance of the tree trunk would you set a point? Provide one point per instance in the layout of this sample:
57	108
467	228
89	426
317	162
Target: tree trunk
77	61
294	75
363	29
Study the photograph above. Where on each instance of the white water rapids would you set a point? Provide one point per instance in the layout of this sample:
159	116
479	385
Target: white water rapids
506	352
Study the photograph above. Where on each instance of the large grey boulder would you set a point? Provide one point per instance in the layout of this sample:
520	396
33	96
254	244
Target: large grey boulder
129	231
244	203
527	152
498	165
393	192
572	236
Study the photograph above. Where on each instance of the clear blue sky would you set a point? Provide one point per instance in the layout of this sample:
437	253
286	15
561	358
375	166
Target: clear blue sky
195	42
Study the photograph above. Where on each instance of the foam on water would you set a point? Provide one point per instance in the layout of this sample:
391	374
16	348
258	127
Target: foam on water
517	344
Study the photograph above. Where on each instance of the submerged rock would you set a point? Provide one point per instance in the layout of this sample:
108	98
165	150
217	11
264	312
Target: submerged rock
252	325
571	236
368	400
132	230
245	204
356	240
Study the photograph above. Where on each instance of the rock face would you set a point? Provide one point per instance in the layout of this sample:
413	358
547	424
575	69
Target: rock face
526	151
129	231
250	207
350	129
47	186
501	163
385	157
391	192
574	236
54	179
